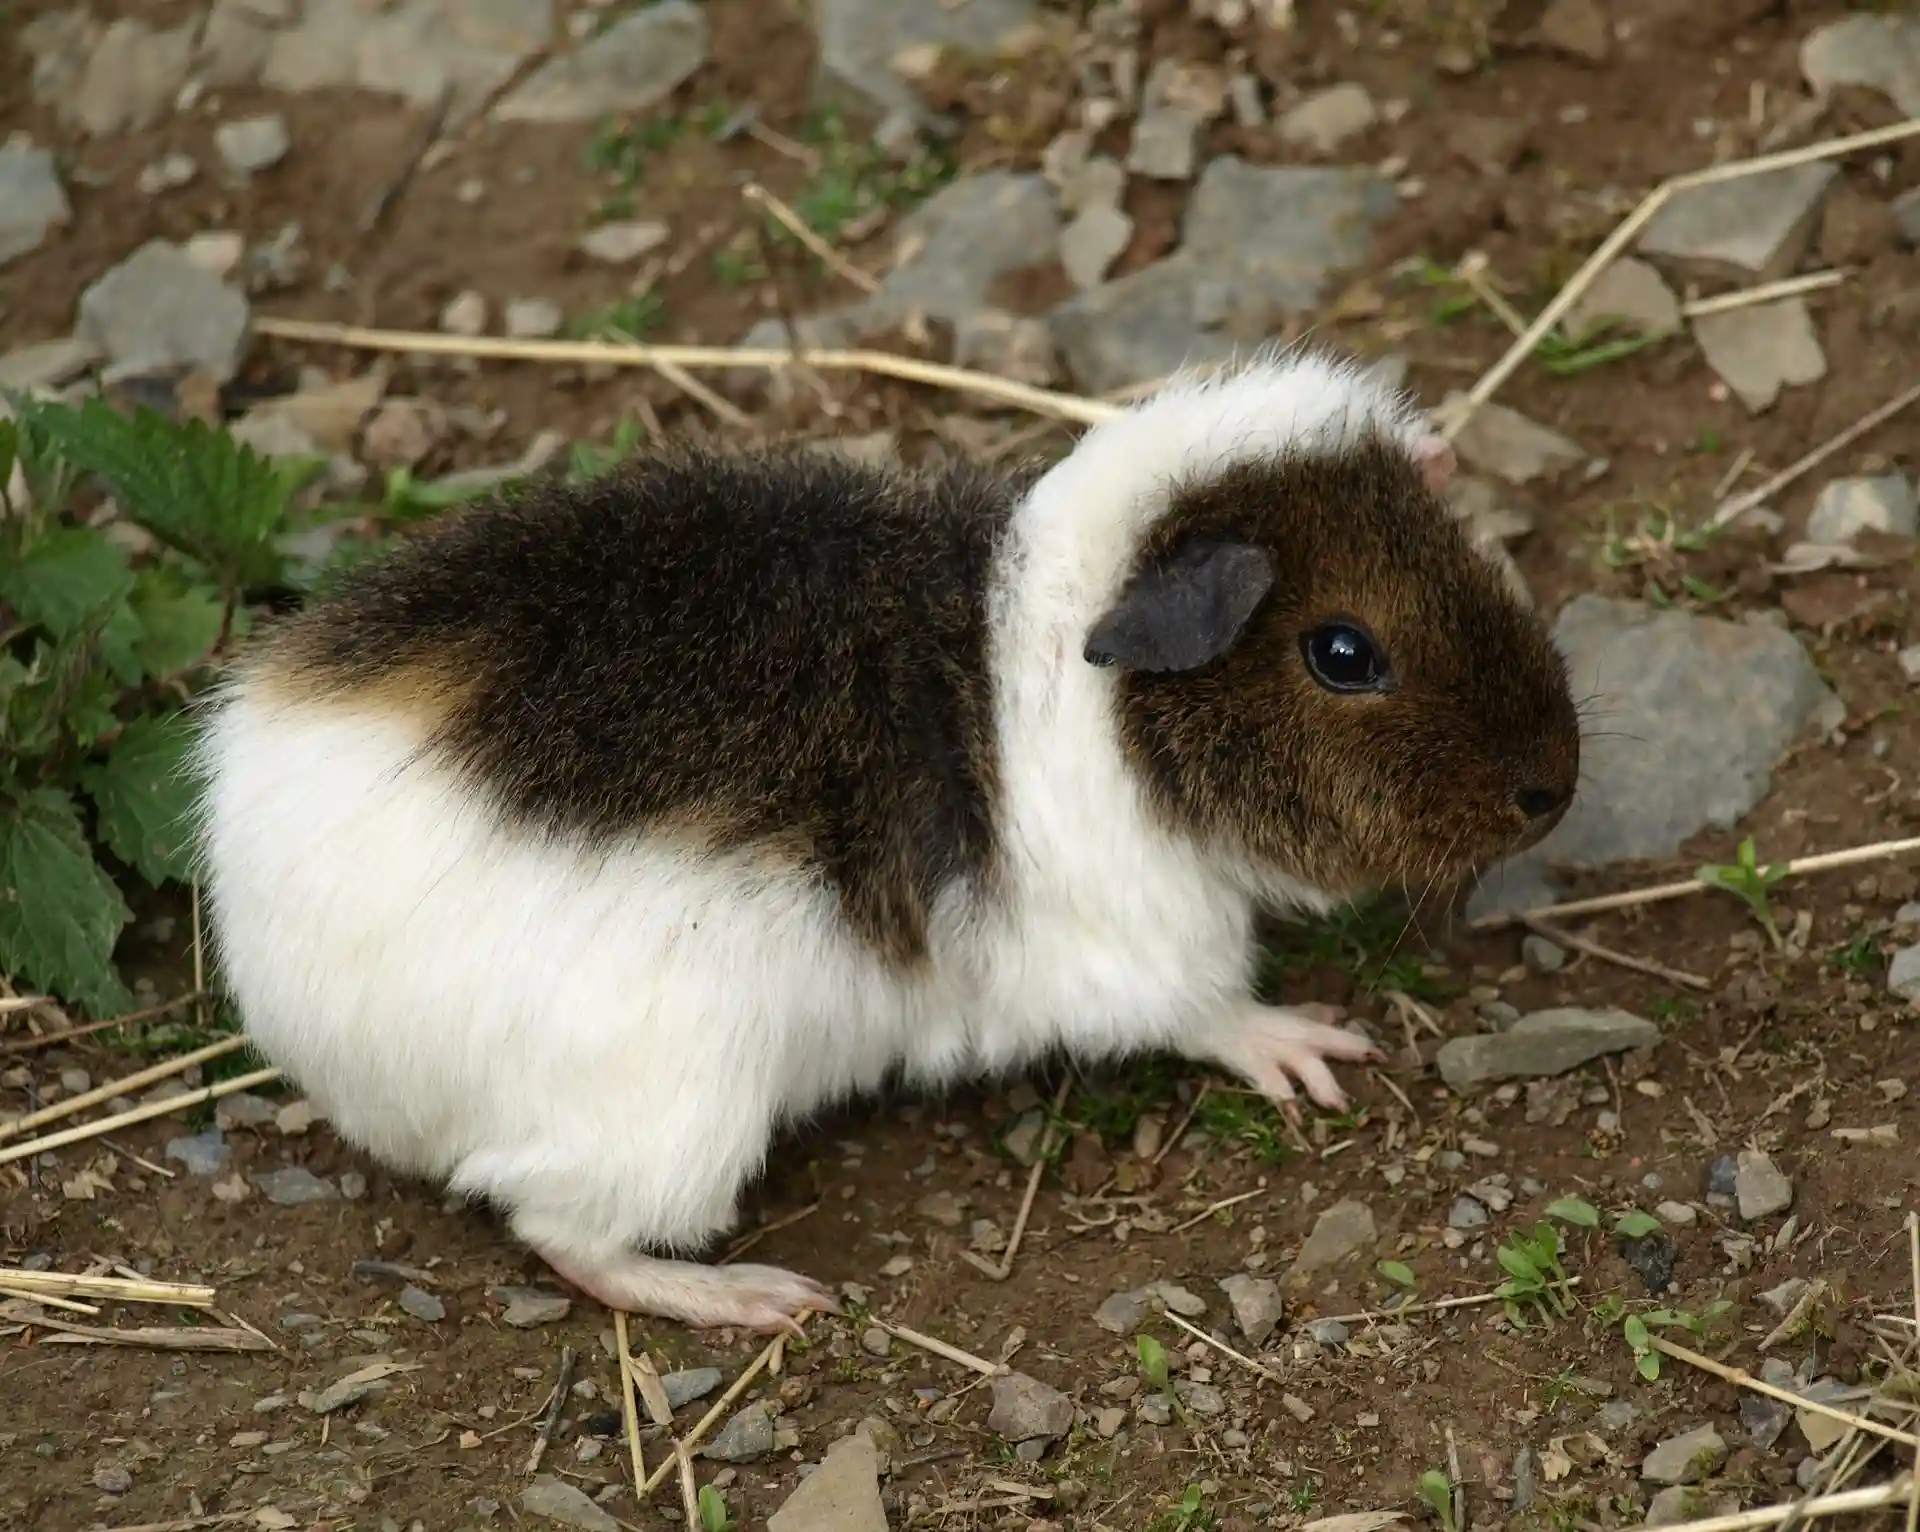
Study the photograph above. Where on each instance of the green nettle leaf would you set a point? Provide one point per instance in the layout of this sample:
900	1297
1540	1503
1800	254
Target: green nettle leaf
145	794
194	487
179	620
65	579
1576	1210
60	915
1636	1224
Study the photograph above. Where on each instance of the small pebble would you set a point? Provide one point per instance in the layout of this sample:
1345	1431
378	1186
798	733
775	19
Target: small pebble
422	1305
112	1479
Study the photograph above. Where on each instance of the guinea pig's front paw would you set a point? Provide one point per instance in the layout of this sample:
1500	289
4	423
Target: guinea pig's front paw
1273	1047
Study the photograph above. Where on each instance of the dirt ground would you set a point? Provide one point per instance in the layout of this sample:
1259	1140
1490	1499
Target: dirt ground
1779	1052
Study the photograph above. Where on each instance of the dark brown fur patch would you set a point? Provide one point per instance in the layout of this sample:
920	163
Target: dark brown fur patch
775	650
1348	792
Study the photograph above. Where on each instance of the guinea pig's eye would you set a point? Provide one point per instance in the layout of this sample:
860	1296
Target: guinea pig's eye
1344	659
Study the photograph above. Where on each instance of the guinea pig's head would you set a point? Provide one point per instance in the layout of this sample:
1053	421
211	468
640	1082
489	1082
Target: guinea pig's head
1321	680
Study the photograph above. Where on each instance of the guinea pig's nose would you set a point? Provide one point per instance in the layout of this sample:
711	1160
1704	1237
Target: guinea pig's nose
1538	802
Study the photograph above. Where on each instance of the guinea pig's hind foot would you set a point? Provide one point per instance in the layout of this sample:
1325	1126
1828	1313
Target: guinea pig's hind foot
762	1298
1272	1047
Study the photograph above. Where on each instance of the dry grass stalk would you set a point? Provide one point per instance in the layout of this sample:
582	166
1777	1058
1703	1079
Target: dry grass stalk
59	1284
47	1300
1432	1306
1741	1378
1219	1207
1870	1499
155	1337
1040	401
138	1114
795	225
1742	503
940	1348
1913	1273
1623	235
1625	960
1004	1270
629	1411
551	1424
1659	893
689	1495
67	1034
13	1003
1766	292
112	1088
707	1421
1222	1347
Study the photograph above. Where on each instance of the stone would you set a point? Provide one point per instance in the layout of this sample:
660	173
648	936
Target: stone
528	1308
1903	974
1675	1504
1257	242
1765	1419
1014	346
1506	444
1759	1187
1630	294
533	318
1578	28
1326	119
234	43
636	63
743	1439
131	77
1753	229
1342	1232
1025	1408
1166	143
1682	1215
33	203
1540	1044
1540	955
1685	1459
157	311
465	314
112	1479
1906	216
296	1117
1187	1305
1123	1313
1758	351
1328	1332
421	1304
217	251
1704	706
1092	242
1202	1398
863	42
553	1499
689	1384
1256	1305
168	173
1154	1410
1781	1299
1467	1215
1874	52
1491	145
1848	507
252	143
624	241
204	1154
1652	1256
293	1187
243	1109
841	1495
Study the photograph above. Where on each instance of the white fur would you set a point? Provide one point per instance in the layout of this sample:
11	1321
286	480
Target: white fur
603	1041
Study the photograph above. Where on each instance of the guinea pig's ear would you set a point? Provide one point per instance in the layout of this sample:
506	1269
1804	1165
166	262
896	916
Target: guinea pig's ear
1185	610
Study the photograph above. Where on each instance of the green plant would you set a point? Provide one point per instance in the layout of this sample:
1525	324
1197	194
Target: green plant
1748	882
1437	1490
587	461
856	178
1153	1363
627	320
1536	1282
99	651
1636	1330
1189	1514
1634	1224
1396	1272
713	1511
1367	940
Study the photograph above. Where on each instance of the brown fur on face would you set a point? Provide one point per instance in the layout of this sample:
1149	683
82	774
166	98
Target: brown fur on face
1348	792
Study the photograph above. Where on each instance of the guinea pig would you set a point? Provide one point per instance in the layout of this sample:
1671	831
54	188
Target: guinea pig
573	849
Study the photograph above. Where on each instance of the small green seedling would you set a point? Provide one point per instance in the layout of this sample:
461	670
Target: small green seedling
1634	1224
713	1511
1190	1515
1153	1362
1748	881
1536	1282
1396	1272
1437	1490
1637	1330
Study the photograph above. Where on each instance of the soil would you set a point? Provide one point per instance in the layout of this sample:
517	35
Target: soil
1745	1062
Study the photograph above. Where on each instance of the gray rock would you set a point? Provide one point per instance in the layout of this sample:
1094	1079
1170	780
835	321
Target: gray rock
1685	1459
1877	52
1906	215
1848	507
166	174
1526	1478
1759	1187
1328	1332
353	1185
1257	242
157	310
1024	1408
131	77
293	1187
1092	242
33	203
1016	346
746	1437
841	1495
553	1499
861	40
1154	1410
1542	956
1615	1416
1630	294
634	64
1760	350
1703	708
1326	119
1342	1232
349	1391
204	1154
533	318
623	242
530	1307
1682	1215
235	42
1166	143
1202	1398
1677	1503
1543	1043
1578	28
421	1304
1256	1305
689	1384
1187	1305
1123	1313
1468	1214
1782	1298
112	1479
243	1109
252	143
1903	974
1505	443
1765	1419
1753	229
